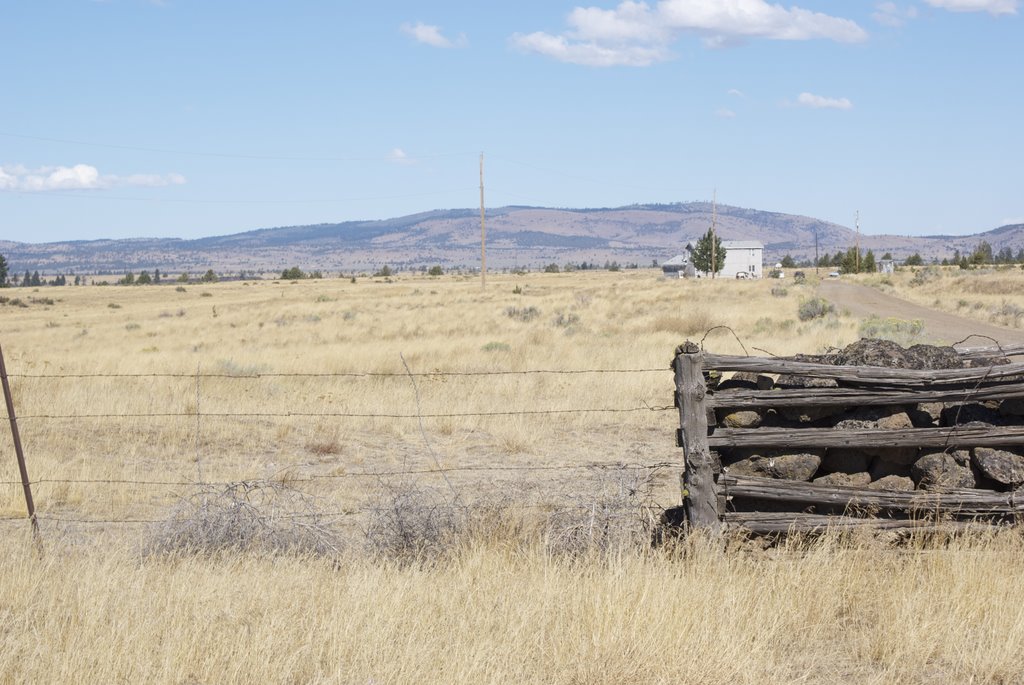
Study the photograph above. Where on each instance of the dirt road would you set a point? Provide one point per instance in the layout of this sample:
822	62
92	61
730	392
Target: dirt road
939	327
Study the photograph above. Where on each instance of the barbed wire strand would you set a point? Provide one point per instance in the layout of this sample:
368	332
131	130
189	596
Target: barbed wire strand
339	374
351	415
283	477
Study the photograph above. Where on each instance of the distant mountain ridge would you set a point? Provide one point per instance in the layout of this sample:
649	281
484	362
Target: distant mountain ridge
516	236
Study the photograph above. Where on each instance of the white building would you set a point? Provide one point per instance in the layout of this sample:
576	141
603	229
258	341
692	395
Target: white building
743	259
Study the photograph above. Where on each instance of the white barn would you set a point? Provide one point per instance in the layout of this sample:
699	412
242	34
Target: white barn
743	259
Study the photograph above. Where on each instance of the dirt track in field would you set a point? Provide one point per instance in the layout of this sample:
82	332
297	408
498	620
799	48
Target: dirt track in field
939	327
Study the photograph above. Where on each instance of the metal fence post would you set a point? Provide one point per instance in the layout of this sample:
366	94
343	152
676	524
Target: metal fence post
25	483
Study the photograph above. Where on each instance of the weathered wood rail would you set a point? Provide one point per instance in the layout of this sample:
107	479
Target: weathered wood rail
709	492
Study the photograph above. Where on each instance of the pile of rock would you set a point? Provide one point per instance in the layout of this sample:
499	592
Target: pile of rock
882	468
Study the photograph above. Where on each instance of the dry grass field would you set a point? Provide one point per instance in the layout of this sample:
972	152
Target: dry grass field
991	295
356	412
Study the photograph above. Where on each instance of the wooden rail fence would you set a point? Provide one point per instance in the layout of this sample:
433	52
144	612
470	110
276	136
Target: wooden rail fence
714	499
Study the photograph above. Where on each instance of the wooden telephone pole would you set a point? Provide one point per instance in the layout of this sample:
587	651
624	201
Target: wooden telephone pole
483	230
857	223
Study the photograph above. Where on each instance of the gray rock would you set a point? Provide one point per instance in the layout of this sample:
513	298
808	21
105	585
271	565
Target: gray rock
842	460
1012	407
901	483
1000	465
800	466
854	424
740	419
944	471
852	480
886	418
765	382
896	421
793	381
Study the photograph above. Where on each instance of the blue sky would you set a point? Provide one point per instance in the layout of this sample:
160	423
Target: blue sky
132	118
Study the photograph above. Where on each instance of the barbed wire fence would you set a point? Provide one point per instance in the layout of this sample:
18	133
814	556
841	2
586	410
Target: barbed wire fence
175	490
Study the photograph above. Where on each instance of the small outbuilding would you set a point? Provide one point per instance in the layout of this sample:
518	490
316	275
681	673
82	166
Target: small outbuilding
680	266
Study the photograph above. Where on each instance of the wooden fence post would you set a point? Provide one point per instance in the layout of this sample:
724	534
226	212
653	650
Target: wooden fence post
700	499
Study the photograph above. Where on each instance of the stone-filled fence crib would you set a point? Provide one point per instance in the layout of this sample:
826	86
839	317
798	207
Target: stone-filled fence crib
777	445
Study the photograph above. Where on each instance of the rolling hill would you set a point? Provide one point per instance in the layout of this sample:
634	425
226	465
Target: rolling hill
516	236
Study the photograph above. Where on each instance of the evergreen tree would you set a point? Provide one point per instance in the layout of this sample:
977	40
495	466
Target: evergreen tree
27	281
156	276
702	253
209	276
3	272
36	281
867	265
915	260
788	262
982	253
144	278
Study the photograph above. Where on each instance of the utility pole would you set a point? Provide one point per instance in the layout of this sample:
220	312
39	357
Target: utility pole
817	260
714	220
483	230
857	222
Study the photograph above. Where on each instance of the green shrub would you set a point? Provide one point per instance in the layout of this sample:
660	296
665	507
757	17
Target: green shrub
524	314
900	331
815	308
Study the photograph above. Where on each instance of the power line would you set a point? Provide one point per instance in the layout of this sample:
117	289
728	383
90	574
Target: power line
85	194
229	155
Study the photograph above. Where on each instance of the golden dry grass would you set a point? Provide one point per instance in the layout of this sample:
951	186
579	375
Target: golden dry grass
992	295
834	612
499	608
223	423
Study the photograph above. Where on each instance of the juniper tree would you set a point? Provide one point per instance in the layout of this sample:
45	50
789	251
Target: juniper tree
702	253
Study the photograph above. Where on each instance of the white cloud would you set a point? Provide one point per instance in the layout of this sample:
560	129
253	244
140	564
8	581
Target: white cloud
429	34
819	102
398	156
892	15
637	34
735	92
591	53
725	113
993	7
757	19
77	177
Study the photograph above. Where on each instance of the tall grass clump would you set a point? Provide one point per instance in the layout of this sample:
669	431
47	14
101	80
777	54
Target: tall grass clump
246	516
815	308
901	331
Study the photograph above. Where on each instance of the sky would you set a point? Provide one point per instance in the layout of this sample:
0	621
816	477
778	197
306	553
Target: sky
190	118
